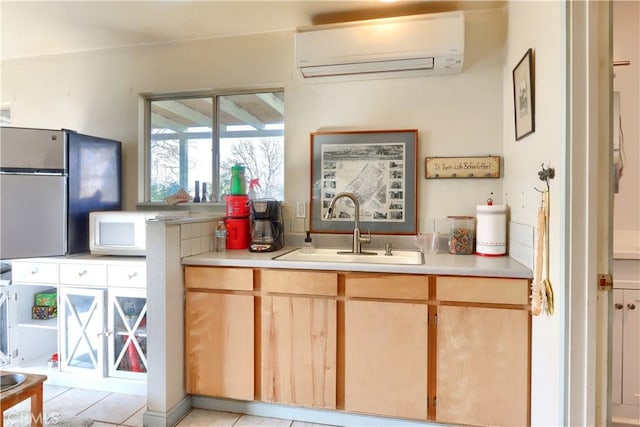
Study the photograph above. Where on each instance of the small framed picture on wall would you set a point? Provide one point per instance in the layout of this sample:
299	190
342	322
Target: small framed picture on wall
524	96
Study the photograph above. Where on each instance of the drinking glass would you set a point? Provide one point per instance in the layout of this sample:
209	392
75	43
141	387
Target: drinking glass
428	238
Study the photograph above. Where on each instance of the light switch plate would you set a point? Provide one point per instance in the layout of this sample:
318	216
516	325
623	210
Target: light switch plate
301	210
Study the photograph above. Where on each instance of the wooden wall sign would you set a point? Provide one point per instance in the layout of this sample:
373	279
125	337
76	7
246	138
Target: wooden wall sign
462	167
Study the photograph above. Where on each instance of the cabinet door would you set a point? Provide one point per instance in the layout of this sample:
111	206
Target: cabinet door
127	332
617	347
5	341
298	350
482	366
82	330
219	345
385	358
631	349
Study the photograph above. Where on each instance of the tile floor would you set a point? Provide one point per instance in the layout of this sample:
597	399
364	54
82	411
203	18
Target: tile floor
124	410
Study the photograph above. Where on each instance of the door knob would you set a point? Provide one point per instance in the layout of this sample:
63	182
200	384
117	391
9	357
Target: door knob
618	306
631	306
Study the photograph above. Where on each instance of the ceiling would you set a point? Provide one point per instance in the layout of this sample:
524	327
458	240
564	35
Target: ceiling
34	28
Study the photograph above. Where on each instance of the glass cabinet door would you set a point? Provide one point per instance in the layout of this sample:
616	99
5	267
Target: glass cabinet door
4	327
81	329
127	320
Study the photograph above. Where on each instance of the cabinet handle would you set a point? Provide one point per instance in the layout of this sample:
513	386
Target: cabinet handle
631	306
618	306
34	271
133	275
82	273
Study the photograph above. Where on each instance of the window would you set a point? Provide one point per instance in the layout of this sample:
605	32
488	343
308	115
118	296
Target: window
199	138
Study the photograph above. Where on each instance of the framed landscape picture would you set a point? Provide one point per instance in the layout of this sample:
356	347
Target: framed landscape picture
379	167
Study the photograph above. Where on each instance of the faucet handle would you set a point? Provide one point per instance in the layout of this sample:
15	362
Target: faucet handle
367	238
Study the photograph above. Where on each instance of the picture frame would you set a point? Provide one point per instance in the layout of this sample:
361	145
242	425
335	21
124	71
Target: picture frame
524	96
380	167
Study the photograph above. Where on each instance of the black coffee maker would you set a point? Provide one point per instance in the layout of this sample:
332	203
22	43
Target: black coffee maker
267	228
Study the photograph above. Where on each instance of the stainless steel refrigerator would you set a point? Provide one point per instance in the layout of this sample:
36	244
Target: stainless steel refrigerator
49	182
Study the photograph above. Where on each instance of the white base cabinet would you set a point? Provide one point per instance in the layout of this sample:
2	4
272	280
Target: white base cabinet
100	329
626	353
87	330
625	378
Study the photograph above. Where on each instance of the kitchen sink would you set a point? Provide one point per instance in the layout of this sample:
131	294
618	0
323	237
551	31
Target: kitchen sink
10	380
335	255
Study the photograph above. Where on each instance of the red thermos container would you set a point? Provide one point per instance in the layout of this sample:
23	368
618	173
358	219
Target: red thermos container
238	233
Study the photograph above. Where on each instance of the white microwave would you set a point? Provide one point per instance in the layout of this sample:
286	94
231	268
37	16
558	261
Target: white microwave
122	232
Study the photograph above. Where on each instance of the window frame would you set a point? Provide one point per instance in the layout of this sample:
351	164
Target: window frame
144	149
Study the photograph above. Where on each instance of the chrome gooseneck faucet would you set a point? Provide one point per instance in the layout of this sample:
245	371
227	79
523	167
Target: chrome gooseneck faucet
358	240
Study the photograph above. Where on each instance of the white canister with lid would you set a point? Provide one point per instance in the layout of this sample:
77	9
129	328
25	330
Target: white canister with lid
491	230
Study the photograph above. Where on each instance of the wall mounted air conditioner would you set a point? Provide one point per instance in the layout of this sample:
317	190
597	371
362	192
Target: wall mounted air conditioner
426	44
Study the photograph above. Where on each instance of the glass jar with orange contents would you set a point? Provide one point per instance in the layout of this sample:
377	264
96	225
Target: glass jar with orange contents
461	234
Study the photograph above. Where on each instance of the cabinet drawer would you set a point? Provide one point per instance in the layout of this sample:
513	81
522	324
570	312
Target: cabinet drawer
299	282
387	286
34	272
482	290
83	274
127	276
238	279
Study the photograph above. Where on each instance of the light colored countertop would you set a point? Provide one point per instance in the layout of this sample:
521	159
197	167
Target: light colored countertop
438	264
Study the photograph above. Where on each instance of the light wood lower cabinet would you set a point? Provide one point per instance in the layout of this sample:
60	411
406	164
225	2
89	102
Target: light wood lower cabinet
385	345
298	337
483	352
219	332
386	358
447	349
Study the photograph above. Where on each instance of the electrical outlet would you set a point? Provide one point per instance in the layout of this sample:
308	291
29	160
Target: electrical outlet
301	210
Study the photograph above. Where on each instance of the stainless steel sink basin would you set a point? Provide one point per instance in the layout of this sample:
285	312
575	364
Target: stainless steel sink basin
10	380
334	255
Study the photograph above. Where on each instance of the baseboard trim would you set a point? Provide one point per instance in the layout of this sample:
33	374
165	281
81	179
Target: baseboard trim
319	416
170	418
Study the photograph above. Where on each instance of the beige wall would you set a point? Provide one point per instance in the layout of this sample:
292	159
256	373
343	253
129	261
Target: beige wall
97	93
523	160
626	35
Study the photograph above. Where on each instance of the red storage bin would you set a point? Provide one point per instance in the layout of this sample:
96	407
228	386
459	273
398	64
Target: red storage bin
238	233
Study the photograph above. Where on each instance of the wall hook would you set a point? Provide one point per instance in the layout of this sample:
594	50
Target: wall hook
545	174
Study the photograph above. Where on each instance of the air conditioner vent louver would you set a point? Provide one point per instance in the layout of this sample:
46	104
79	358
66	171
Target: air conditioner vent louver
427	44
